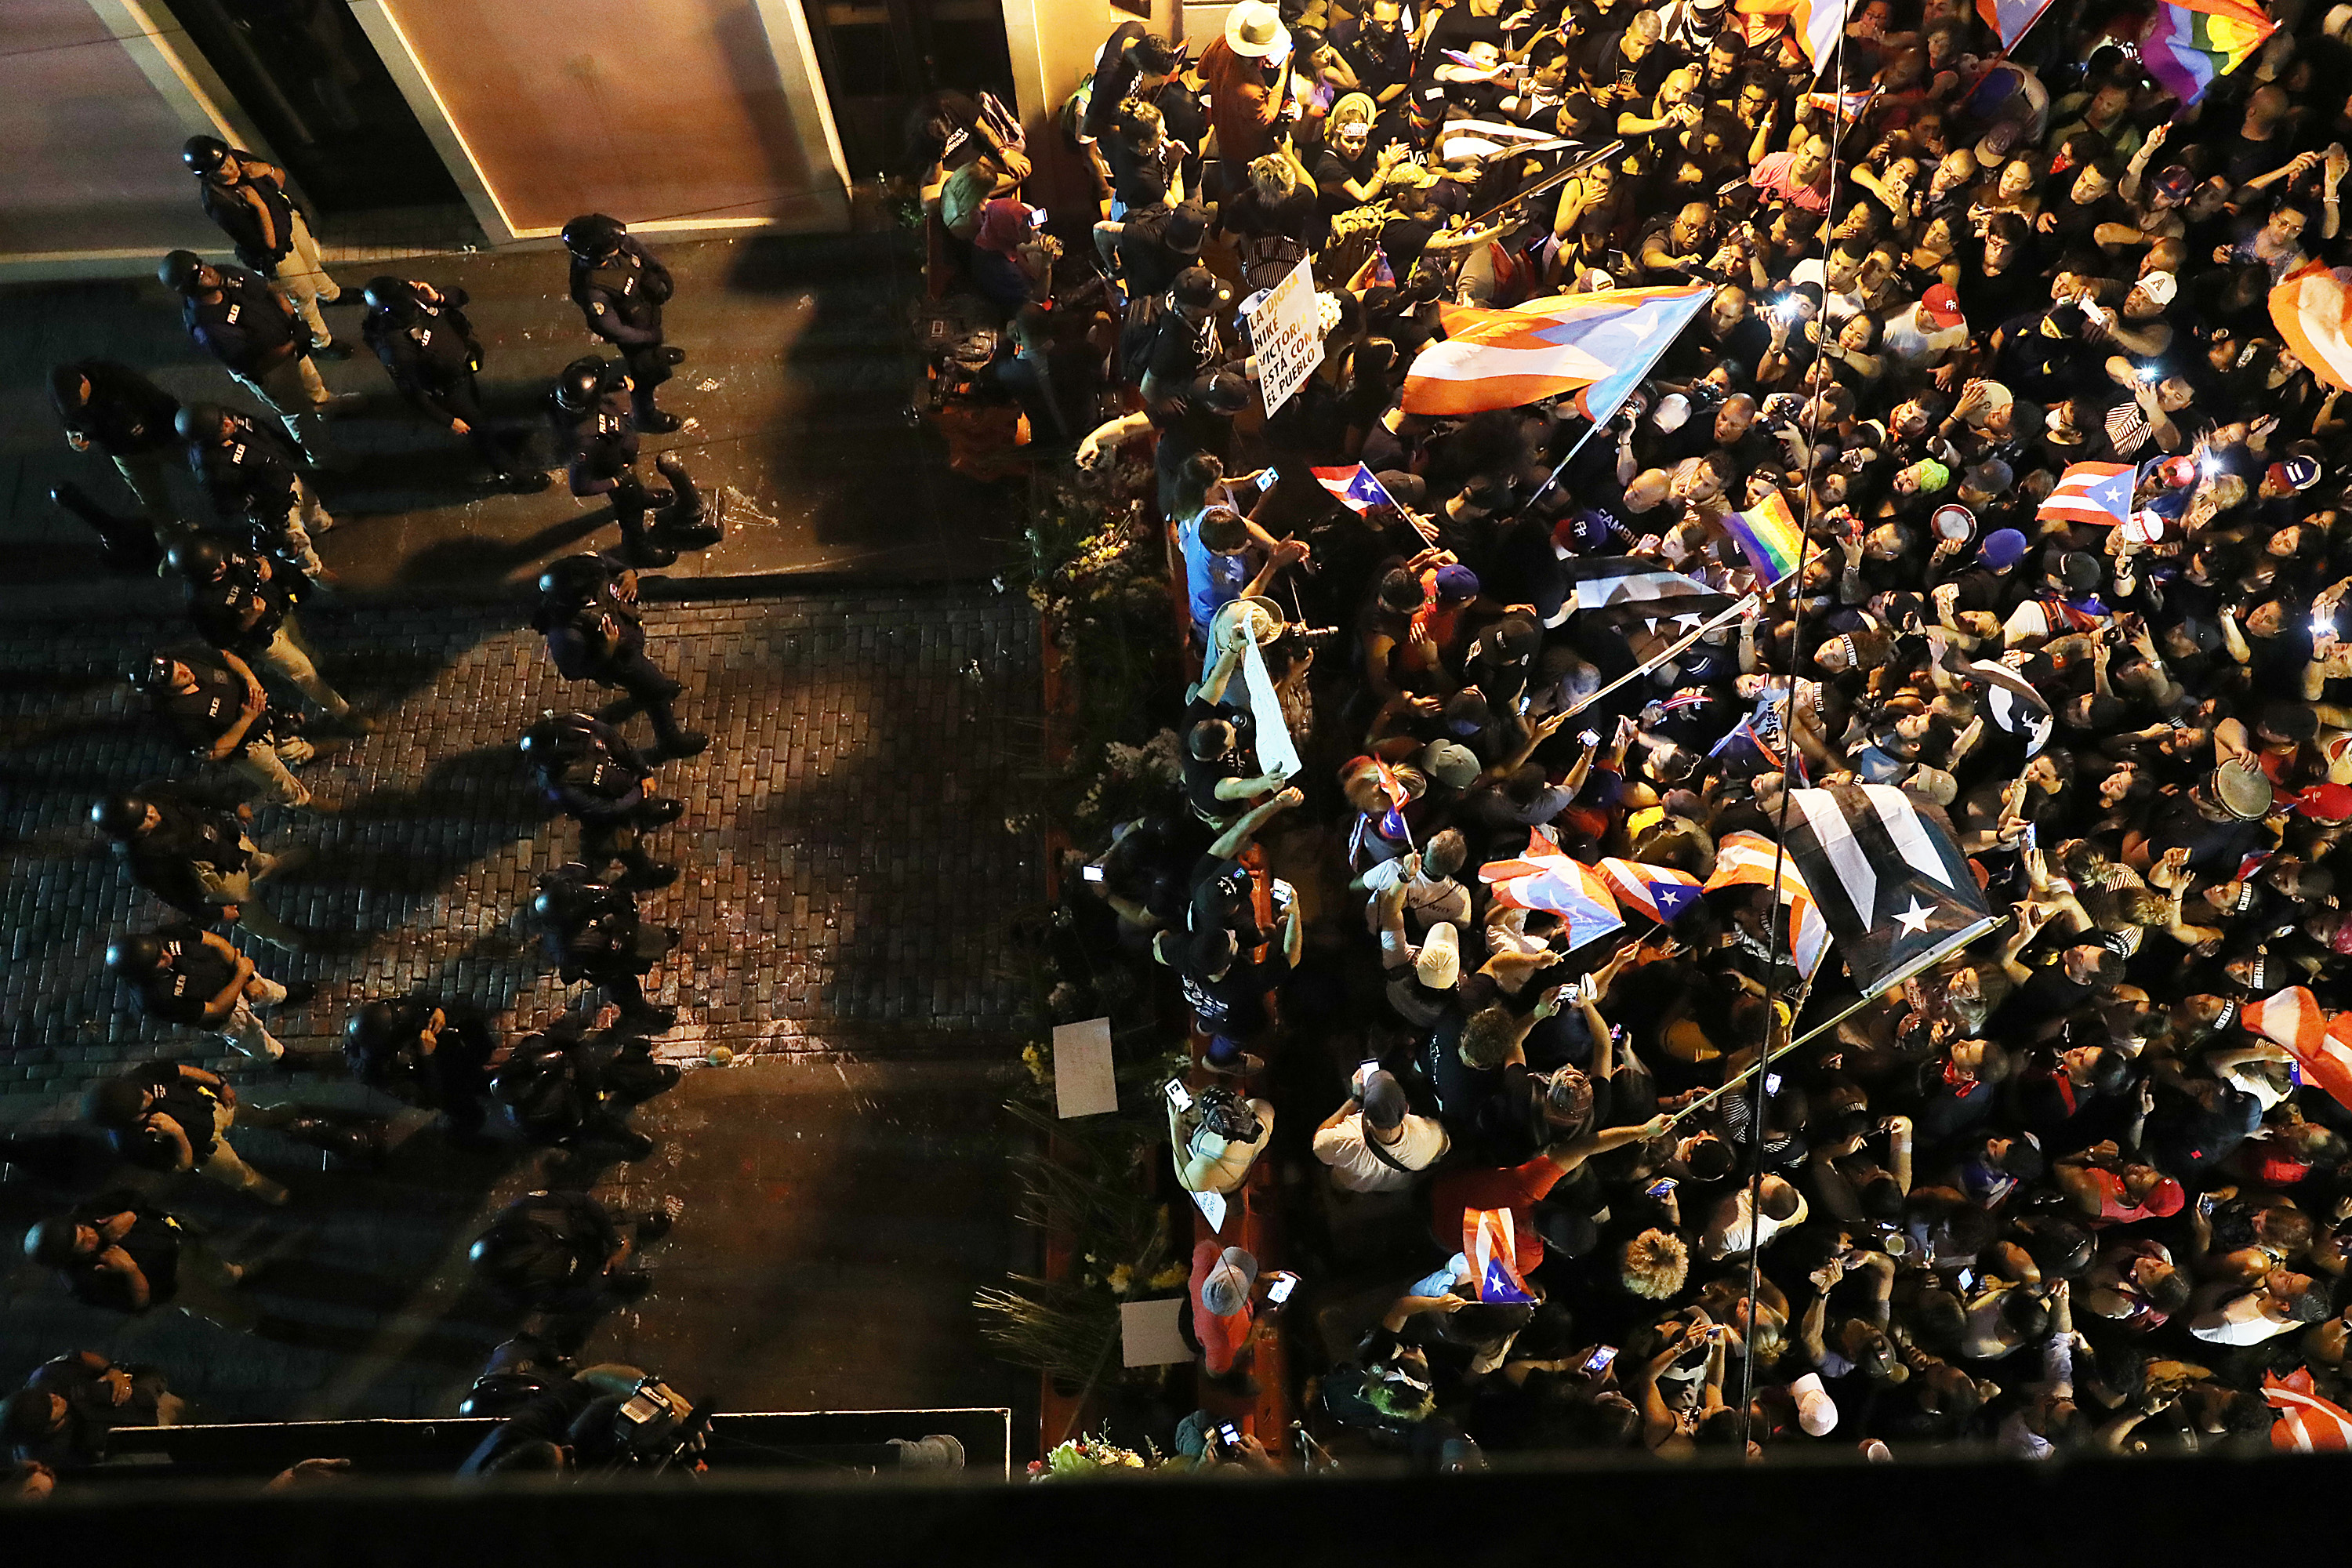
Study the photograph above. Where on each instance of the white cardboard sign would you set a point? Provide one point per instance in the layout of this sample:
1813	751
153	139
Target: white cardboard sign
1286	335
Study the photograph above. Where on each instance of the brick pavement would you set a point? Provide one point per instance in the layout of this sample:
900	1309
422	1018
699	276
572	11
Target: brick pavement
848	866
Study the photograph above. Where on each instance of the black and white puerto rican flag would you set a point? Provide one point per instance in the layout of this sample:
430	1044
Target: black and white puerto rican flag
2011	703
1617	581
1890	881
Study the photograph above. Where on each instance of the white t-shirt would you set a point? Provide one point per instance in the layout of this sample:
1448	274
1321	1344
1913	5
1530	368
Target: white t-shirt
2242	1322
1729	1235
1356	1169
1915	340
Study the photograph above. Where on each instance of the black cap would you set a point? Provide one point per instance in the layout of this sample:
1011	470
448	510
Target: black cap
178	272
593	234
1384	1102
1199	288
2079	570
203	154
1223	391
1184	229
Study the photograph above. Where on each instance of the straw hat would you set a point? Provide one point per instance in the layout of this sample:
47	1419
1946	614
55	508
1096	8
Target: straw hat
1255	28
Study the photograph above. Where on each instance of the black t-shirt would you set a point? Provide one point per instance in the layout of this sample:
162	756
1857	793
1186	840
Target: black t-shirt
201	716
194	1106
1234	1003
193	975
153	1244
1201	778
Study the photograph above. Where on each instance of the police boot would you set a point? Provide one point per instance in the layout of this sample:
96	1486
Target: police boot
650	1016
644	873
686	524
654	422
657	811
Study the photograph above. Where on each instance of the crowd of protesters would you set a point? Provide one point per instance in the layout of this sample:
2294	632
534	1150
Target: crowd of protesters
2050	1194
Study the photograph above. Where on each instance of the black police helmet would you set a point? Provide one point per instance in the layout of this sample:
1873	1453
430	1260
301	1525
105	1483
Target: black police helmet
52	1242
388	293
518	1254
153	673
198	557
119	815
135	952
573	577
581	384
593	234
178	272
372	1026
198	421
203	154
549	905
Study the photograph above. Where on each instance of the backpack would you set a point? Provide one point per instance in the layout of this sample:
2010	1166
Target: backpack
1136	336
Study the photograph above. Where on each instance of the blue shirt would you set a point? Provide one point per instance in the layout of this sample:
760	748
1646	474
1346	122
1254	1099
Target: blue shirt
1211	579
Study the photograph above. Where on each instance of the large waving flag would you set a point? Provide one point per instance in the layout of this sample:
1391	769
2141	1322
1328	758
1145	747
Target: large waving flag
1660	892
2313	313
2191	44
2096	494
2320	1042
1816	23
1896	890
1612	581
1546	879
2009	700
2011	18
2306	1423
1597	345
1748	859
1768	536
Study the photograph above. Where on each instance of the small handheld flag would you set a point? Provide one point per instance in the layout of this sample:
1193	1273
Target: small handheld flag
1546	879
1356	488
1490	1246
1660	892
2095	493
1769	536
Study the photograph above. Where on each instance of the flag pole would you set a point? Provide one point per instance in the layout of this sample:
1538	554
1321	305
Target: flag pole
1934	955
1756	595
1593	429
1558	177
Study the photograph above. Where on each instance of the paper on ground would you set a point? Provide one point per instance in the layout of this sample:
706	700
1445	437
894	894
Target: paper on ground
1083	1082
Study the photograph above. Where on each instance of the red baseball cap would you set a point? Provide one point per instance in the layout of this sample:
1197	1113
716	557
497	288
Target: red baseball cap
1942	305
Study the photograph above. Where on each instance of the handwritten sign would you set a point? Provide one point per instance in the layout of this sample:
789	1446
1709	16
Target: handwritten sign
1285	332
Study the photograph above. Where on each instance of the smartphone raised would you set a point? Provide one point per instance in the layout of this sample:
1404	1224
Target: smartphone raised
1280	1287
1599	1360
1660	1187
1091	873
1229	1435
1178	1095
1772	1083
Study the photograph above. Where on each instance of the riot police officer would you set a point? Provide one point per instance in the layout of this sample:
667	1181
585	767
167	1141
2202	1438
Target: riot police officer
432	1054
429	349
597	434
561	1092
247	196
588	772
621	290
128	417
216	708
194	856
593	931
588	613
248	324
251	474
243	604
563	1252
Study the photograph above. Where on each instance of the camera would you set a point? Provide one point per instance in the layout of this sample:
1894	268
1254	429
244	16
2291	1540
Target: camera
656	1425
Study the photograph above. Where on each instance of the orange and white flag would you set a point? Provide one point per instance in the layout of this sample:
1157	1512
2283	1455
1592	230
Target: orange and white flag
2307	1424
2320	1042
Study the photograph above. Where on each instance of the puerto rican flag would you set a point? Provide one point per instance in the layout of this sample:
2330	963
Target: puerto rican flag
1546	879
1489	1245
2011	18
2097	494
1356	488
1750	859
2307	1424
1660	892
2320	1042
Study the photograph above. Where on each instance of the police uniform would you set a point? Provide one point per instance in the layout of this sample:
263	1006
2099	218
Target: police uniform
252	616
593	931
453	1078
129	418
249	331
600	449
622	296
293	260
251	473
561	1093
601	638
591	774
193	973
198	719
429	349
196	858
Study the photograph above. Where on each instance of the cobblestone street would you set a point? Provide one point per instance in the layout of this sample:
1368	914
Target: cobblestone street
844	839
849	890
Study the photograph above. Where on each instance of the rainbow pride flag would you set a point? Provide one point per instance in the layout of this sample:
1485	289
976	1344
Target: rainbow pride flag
1770	536
2191	44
